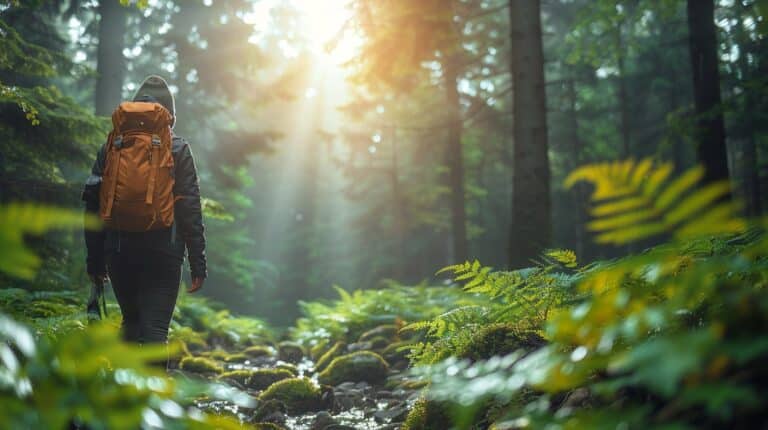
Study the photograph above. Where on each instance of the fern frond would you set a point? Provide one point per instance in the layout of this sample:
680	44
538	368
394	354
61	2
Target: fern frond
637	200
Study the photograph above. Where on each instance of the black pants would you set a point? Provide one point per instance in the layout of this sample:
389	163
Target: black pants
146	284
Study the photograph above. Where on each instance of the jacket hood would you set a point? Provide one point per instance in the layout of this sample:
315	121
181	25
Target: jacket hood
155	89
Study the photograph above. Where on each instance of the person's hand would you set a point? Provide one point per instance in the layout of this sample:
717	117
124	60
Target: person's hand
98	279
197	283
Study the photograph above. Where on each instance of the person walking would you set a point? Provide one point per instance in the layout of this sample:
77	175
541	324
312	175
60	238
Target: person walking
144	186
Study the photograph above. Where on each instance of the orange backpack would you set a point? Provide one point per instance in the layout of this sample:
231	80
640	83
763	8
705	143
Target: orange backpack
137	184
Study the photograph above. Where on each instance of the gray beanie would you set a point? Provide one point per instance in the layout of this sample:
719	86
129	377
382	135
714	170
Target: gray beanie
155	89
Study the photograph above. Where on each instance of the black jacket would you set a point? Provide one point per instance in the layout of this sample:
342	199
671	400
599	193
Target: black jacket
188	230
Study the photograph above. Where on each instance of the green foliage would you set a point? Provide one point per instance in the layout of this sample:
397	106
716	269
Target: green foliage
92	378
16	220
216	326
358	366
670	337
355	313
521	300
637	200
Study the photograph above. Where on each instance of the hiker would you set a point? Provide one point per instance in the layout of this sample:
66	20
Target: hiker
144	187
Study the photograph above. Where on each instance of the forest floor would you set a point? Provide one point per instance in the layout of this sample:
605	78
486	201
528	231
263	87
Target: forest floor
355	404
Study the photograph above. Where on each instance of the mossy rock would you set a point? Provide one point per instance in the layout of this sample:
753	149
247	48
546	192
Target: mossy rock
236	358
323	362
289	367
217	354
361	366
256	379
378	343
202	365
387	331
317	350
291	352
257	351
499	339
427	415
393	353
267	426
299	395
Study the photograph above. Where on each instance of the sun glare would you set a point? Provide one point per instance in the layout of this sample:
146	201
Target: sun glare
323	26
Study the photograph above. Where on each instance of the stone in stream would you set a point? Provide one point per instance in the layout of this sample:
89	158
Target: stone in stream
259	351
299	395
256	379
291	352
270	411
349	395
325	359
322	421
289	367
201	365
394	414
386	331
362	366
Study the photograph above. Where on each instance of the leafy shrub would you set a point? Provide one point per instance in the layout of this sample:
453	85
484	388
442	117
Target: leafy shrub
674	337
357	312
92	378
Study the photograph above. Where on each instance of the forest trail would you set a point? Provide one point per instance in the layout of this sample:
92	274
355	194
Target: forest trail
361	393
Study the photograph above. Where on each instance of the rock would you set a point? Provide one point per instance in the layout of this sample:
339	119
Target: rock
291	352
397	352
217	354
299	395
267	426
271	411
318	349
259	351
396	414
360	346
289	367
340	427
359	366
256	379
322	421
236	358
200	365
386	331
427	415
329	355
350	395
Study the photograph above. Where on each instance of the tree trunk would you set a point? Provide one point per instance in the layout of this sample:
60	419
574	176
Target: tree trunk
579	196
530	224
626	151
110	68
750	166
455	161
710	133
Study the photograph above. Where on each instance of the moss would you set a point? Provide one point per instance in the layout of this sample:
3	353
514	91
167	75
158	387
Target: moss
356	367
427	415
289	367
387	331
240	376
393	352
236	358
378	343
291	352
299	395
329	355
256	379
259	351
200	365
217	354
499	339
317	350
